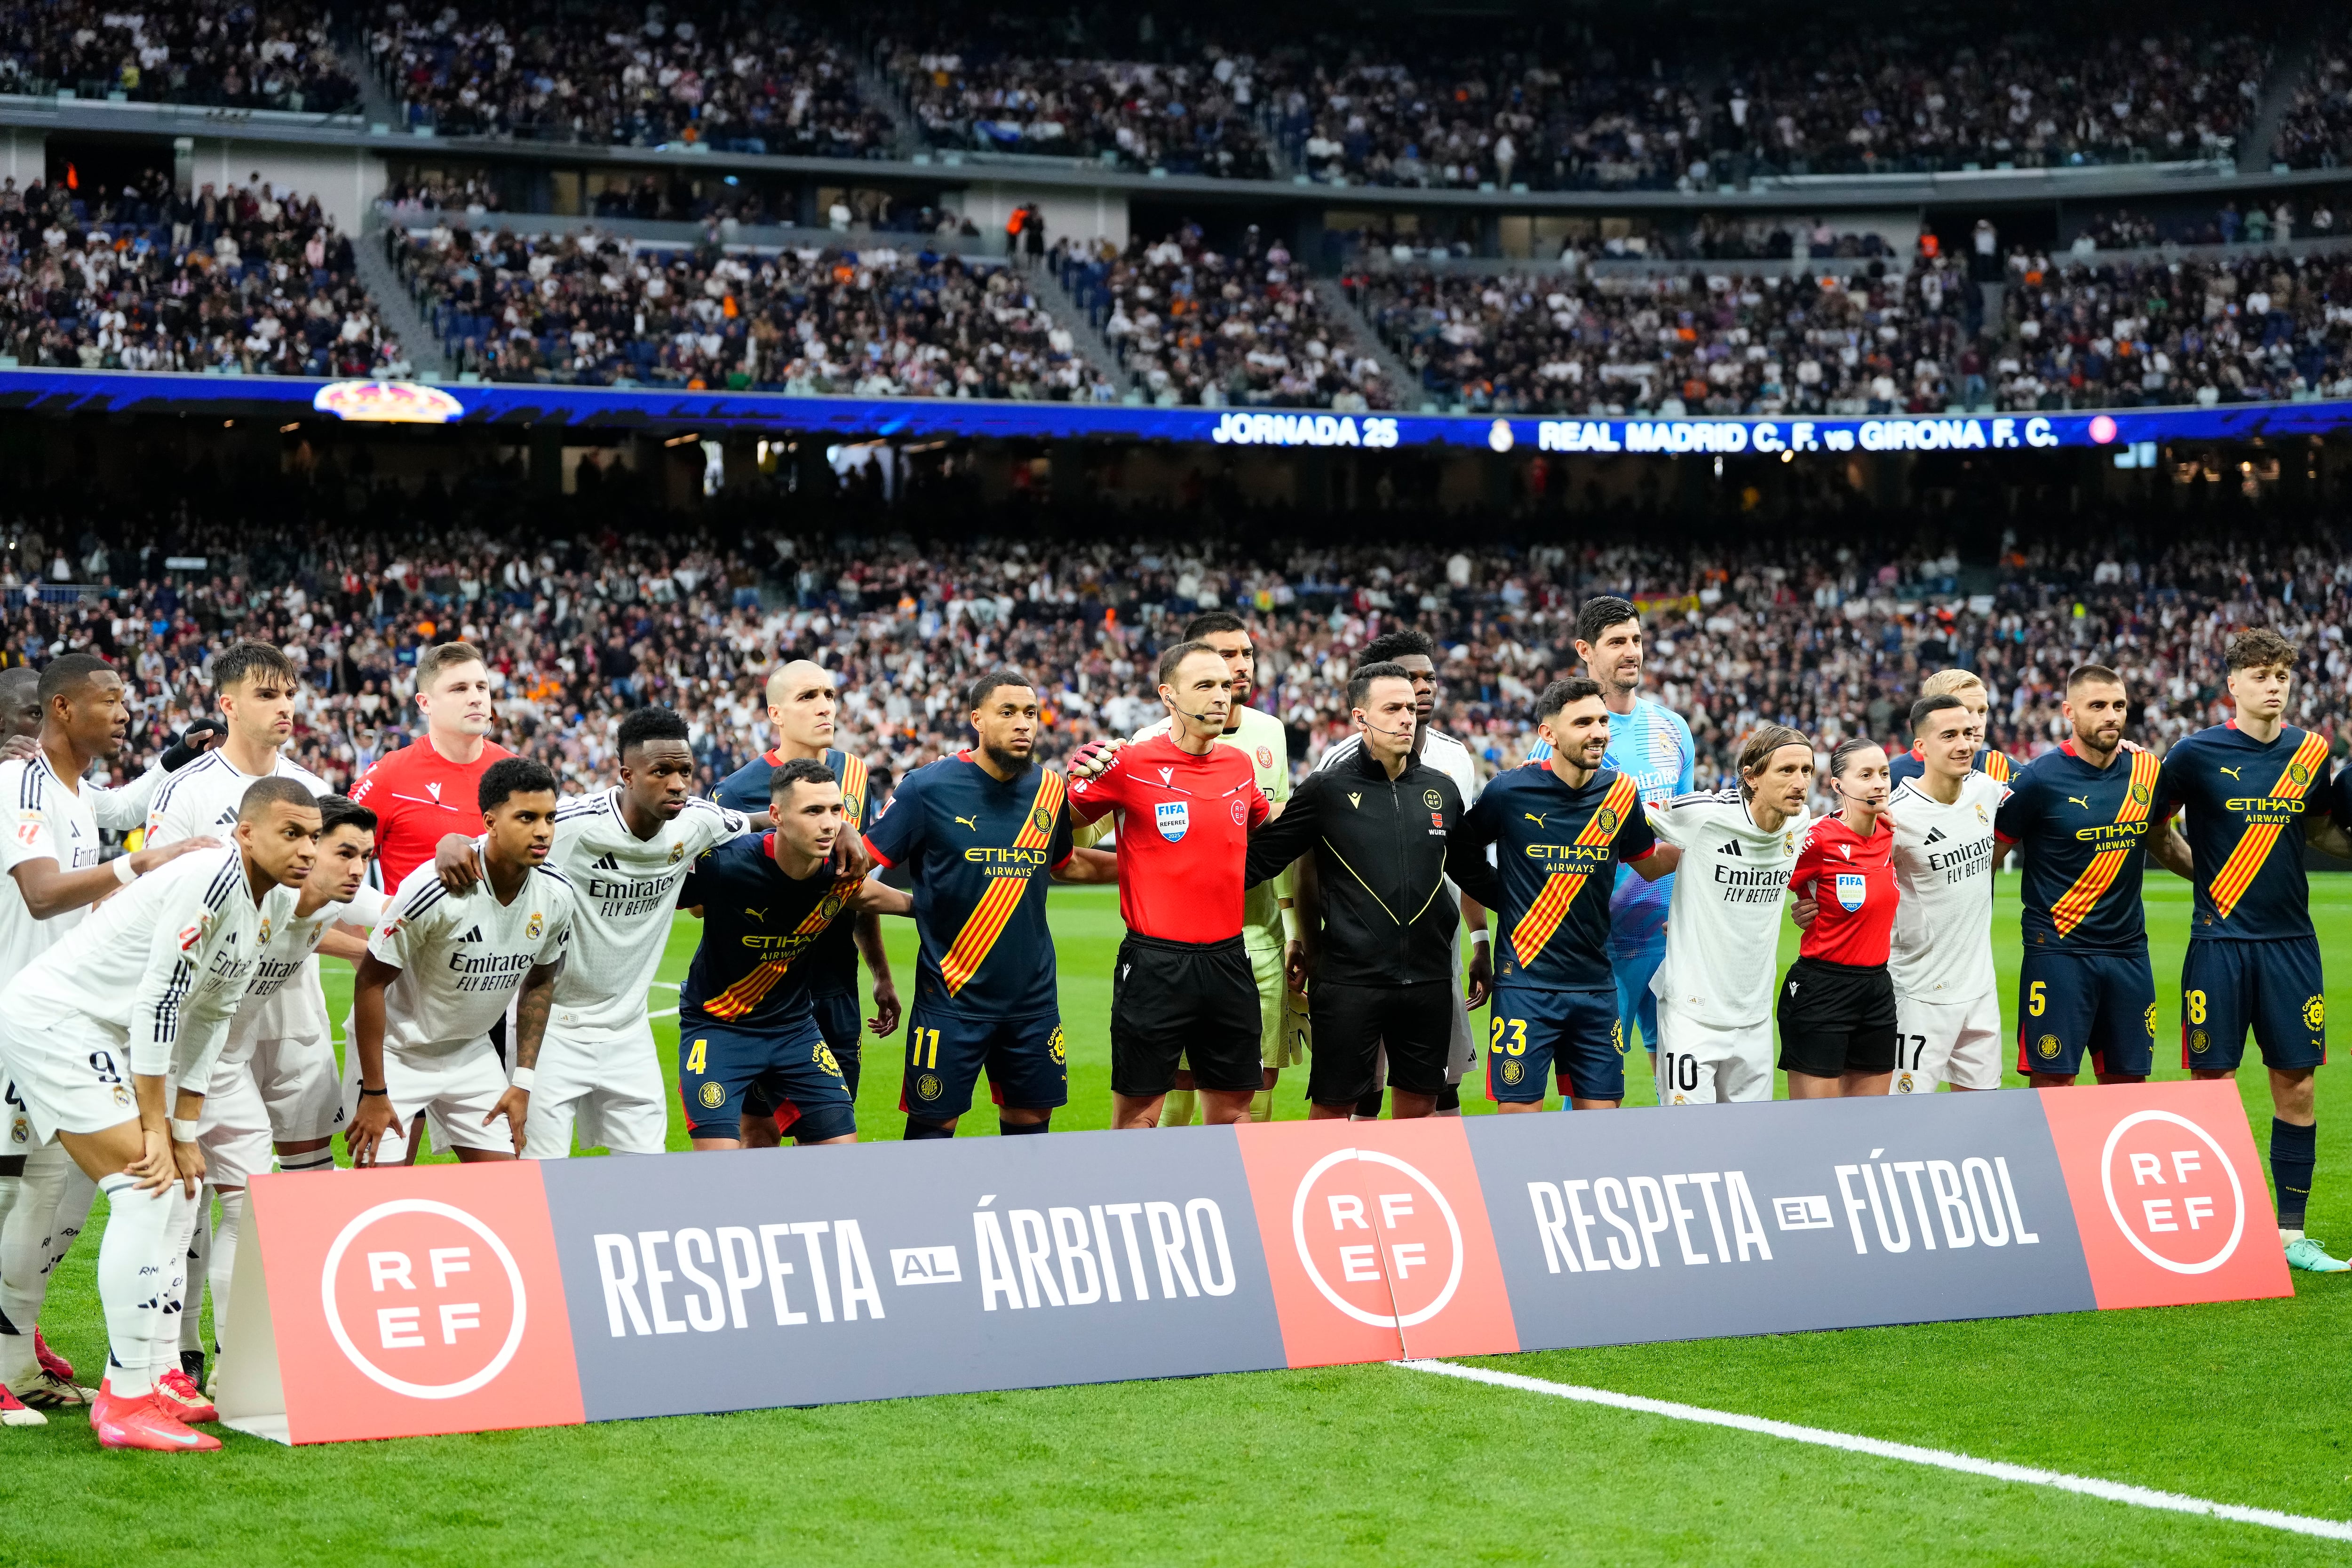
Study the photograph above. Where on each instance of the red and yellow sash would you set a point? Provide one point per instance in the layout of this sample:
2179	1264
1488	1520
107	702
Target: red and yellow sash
994	911
1559	889
2245	862
2075	906
746	993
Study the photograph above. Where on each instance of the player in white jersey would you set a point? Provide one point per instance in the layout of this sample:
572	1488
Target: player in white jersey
51	851
1417	655
114	1064
440	970
1946	997
625	849
334	910
294	1053
1715	989
1268	923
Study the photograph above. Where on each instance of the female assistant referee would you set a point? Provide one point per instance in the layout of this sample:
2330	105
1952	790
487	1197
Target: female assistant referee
1838	1033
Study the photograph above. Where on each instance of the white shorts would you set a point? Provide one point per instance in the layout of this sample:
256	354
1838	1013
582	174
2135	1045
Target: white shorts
1708	1064
1957	1042
453	1092
234	1133
300	1086
63	1079
609	1087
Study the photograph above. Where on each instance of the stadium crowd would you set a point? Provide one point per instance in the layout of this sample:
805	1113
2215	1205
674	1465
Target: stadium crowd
2073	332
224	53
252	280
656	76
1194	325
1828	628
877	322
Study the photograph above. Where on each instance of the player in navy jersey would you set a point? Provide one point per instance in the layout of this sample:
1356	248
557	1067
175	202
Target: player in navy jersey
1970	688
744	1017
1652	745
1562	829
2084	814
2253	792
801	711
981	833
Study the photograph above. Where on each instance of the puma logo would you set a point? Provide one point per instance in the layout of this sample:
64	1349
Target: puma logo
1531	817
2233	773
759	915
2080	801
972	823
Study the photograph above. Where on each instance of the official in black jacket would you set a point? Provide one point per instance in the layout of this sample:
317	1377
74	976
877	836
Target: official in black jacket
1381	826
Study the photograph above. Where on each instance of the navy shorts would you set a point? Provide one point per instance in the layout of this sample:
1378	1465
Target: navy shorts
1533	1033
2071	1004
2272	986
837	1019
1027	1067
791	1067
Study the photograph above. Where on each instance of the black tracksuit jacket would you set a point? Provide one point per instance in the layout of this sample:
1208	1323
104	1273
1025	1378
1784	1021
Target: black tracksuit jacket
1383	848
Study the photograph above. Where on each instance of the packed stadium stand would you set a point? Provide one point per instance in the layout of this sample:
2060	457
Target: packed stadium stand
222	53
877	322
2074	332
620	74
1194	325
246	278
1827	624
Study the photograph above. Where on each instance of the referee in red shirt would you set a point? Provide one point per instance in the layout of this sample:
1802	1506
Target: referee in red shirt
1183	983
1838	1029
428	788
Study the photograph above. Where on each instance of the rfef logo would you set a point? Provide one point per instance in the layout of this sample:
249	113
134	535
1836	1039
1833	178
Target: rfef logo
2173	1191
411	1302
424	1298
1390	1259
2169	1193
1377	1241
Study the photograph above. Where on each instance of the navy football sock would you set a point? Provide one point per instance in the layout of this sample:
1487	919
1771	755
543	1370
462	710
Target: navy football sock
918	1130
2294	1151
1022	1129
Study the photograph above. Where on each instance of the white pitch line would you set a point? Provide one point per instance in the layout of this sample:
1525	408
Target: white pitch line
665	985
2112	1491
664	1013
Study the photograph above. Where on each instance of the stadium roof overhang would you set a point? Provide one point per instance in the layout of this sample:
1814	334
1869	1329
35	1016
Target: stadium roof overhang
593	410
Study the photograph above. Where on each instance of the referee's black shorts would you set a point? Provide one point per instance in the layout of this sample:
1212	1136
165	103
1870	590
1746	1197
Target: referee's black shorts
1352	1022
1837	1018
1172	999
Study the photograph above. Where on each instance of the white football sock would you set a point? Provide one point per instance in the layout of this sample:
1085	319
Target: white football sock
200	1251
25	1235
163	1347
223	1260
133	1261
73	1217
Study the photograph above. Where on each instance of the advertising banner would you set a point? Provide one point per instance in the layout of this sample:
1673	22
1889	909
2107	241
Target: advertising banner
455	1299
53	391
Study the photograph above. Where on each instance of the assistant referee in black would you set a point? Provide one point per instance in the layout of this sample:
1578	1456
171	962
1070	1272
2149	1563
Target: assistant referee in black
1380	826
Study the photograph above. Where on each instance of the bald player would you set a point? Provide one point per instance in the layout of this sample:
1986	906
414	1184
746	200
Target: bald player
1970	688
802	704
1268	921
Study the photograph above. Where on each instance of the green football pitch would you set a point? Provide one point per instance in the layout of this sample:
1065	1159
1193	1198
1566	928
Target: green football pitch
2242	1404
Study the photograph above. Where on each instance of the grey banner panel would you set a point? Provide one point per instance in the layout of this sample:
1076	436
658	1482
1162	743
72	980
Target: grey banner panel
733	1281
1623	1226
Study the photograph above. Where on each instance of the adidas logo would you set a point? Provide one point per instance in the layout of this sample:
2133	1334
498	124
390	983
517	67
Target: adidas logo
605	862
1731	847
1935	835
473	935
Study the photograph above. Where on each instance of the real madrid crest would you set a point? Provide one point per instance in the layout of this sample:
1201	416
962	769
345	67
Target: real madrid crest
538	924
676	853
